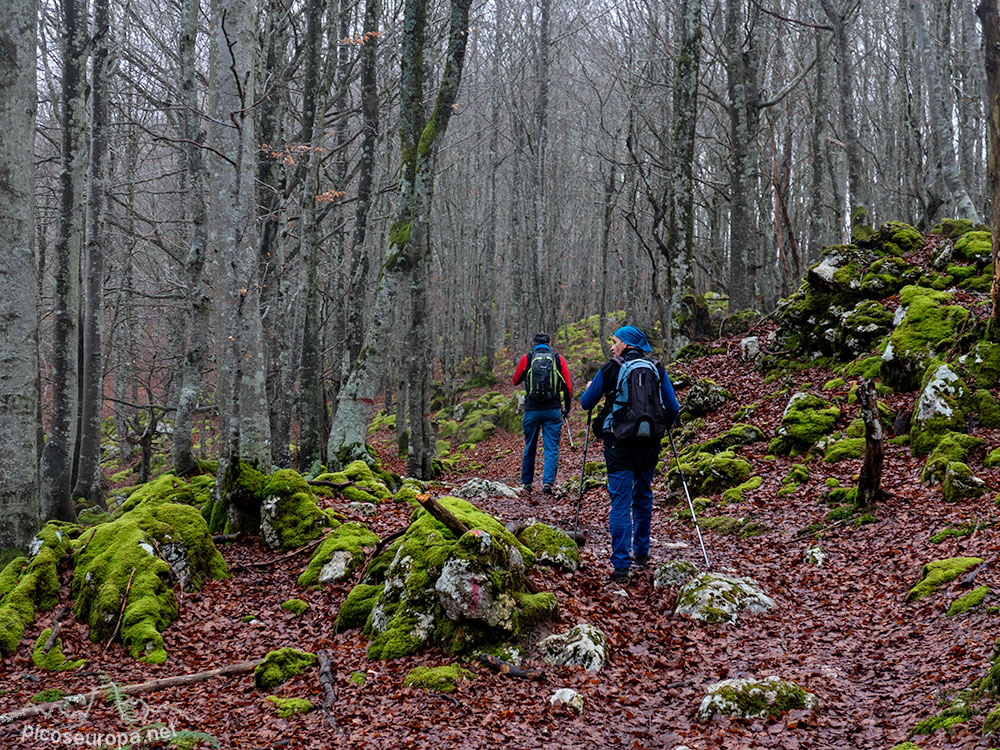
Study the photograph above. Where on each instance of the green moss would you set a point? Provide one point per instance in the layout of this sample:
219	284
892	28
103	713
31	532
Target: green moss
551	546
166	488
285	708
735	494
941	408
55	660
281	665
952	532
807	418
442	679
986	409
357	606
237	508
906	746
937	573
960	483
49	695
928	327
339	554
899	238
835	383
140	541
952	228
970	601
290	517
357	678
708	473
739	434
295	606
536	608
953	446
975	246
863	520
730	526
944	720
848	448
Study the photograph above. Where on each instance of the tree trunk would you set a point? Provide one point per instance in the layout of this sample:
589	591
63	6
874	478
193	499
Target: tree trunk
679	250
19	444
856	185
89	479
940	113
58	455
870	478
741	235
312	404
987	12
196	298
408	235
421	447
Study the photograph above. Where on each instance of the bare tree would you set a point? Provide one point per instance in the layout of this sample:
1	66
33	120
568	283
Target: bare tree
988	16
19	429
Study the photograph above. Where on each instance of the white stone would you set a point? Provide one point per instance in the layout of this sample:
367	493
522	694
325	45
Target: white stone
714	597
337	568
769	689
932	401
567	697
815	556
479	488
749	347
583	645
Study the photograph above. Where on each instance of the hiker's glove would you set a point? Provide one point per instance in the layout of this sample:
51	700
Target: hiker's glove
565	413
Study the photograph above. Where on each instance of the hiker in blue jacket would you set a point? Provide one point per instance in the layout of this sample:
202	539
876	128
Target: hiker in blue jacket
630	460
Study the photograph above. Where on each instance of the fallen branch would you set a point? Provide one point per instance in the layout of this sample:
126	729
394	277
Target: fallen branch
326	682
331	485
121	612
267	563
501	667
442	514
87	543
56	627
151	686
223	538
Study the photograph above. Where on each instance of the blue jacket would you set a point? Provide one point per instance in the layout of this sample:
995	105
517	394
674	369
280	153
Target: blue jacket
606	381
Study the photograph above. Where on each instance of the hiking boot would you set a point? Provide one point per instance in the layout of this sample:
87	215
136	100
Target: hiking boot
526	488
620	575
546	489
641	561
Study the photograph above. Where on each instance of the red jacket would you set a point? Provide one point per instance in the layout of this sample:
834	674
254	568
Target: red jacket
565	386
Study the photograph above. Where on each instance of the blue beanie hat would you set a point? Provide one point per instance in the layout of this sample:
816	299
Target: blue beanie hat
634	337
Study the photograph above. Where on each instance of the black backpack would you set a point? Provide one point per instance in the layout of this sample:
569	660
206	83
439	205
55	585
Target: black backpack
637	410
543	377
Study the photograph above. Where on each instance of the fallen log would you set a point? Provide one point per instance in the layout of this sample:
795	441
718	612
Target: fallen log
501	667
870	479
151	686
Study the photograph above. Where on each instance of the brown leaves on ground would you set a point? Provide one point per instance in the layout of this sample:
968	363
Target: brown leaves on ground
840	630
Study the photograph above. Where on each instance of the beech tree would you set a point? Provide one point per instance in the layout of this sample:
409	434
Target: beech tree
409	235
19	428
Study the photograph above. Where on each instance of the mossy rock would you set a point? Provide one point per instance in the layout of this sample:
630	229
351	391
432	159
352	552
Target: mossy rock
281	665
937	573
364	484
861	328
925	325
235	507
970	601
975	246
846	449
740	433
339	555
986	409
886	276
286	708
839	269
941	408
898	238
982	364
54	660
461	594
735	494
28	584
742	528
806	419
953	446
295	606
748	698
953	228
443	679
704	396
290	517
357	606
958	713
161	543
960	483
708	473
166	488
551	546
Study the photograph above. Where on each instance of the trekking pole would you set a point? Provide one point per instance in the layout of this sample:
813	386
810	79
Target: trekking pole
576	536
569	433
673	447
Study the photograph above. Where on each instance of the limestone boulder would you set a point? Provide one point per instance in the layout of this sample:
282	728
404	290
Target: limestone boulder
716	598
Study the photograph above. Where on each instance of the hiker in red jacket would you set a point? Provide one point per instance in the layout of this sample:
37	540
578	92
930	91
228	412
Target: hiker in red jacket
546	379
